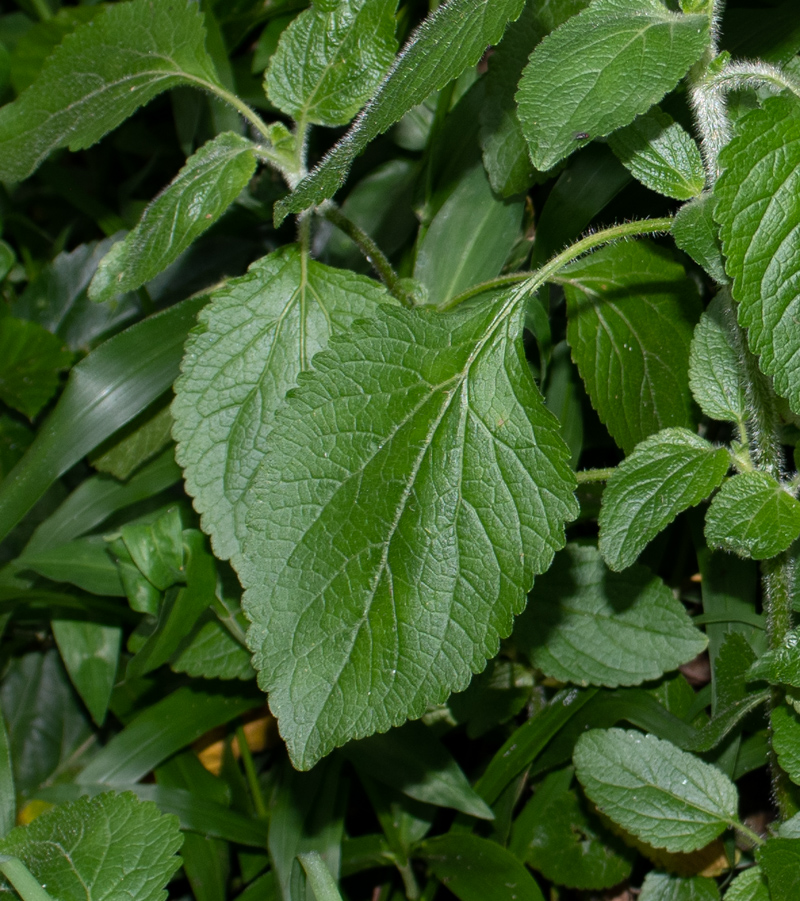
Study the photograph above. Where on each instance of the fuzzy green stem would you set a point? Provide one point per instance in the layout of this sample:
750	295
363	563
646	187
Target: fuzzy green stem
230	98
374	255
250	773
756	74
748	833
531	282
585	476
27	887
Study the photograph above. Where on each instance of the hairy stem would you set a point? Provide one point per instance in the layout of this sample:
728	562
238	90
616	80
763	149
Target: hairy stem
756	74
587	476
239	105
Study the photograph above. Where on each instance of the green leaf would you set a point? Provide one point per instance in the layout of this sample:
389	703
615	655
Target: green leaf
207	185
109	846
665	474
15	439
556	835
664	887
137	444
600	70
786	740
99	75
84	562
211	652
661	795
695	231
660	154
753	516
475	869
31	360
780	861
330	60
748	886
157	549
8	795
715	369
590	626
757	207
780	666
255	337
452	480
631	312
449	41
469	238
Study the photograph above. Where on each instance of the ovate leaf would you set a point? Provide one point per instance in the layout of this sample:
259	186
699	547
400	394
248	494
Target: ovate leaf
31	360
201	192
600	70
90	652
99	75
753	516
695	231
780	861
111	846
660	154
255	337
716	375
331	58
786	740
412	487
590	626
663	887
779	666
631	312
666	474
660	794
211	652
748	886
451	40
758	207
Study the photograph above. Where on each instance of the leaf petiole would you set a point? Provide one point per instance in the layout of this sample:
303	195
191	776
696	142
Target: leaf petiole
20	877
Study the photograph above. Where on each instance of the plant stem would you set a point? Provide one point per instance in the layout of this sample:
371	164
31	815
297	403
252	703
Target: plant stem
228	97
374	255
43	11
250	773
530	282
20	877
751	836
594	475
757	74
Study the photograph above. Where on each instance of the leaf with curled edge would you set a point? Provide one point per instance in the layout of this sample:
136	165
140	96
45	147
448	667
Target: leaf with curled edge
413	486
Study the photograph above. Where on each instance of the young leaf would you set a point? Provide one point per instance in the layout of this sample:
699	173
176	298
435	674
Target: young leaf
695	231
661	155
663	887
109	846
590	626
451	40
475	868
255	337
748	886
757	207
786	740
99	75
600	70
780	666
331	58
780	861
715	369
200	193
665	474
31	359
753	516
631	311
413	486
661	795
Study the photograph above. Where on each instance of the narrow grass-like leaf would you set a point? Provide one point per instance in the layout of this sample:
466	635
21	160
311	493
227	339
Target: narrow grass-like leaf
107	847
780	861
753	516
658	793
331	58
413	486
600	70
758	208
84	562
31	360
631	311
666	474
660	154
99	75
8	794
255	337
200	193
587	625
696	232
448	42
664	887
136	444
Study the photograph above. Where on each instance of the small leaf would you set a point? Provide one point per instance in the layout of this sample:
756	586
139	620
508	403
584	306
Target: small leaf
255	337
748	886
695	231
109	846
600	70
590	626
660	154
199	194
786	740
331	58
413	486
664	887
631	311
753	516
757	207
780	666
475	869
780	861
211	652
135	445
715	369
157	549
665	474
99	75
84	562
658	793
31	359
449	41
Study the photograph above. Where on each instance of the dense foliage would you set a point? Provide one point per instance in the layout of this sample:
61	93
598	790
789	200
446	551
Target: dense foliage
435	540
